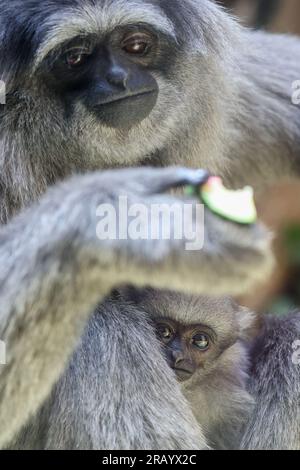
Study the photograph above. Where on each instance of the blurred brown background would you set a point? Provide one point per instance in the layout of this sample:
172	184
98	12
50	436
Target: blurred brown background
280	206
275	15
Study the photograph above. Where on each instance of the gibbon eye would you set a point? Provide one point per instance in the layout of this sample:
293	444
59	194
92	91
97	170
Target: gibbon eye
165	333
137	44
201	341
76	58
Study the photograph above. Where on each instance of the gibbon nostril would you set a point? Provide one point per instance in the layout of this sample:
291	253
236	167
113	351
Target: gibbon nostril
178	360
117	77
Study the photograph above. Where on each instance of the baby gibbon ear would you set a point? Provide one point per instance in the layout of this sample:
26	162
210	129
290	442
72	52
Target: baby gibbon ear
249	323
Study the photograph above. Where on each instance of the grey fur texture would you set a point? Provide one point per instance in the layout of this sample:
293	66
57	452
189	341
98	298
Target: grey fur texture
55	270
248	396
275	386
224	103
121	328
137	395
236	118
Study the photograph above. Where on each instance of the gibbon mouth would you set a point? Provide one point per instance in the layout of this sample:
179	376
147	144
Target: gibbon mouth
125	111
128	97
183	374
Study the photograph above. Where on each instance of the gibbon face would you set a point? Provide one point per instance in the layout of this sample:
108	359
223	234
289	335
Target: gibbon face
187	347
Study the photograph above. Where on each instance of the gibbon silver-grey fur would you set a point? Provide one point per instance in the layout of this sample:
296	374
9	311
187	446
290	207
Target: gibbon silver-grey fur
54	271
243	394
216	393
101	84
275	386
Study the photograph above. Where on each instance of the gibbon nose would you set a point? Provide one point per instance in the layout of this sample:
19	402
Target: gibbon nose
178	358
182	367
182	362
117	77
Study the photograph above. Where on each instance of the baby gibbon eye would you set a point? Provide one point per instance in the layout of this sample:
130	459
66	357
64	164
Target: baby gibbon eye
201	341
165	332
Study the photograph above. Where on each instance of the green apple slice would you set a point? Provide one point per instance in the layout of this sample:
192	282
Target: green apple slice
236	206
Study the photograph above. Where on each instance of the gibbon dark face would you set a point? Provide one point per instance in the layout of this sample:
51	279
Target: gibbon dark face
187	347
94	69
104	83
111	76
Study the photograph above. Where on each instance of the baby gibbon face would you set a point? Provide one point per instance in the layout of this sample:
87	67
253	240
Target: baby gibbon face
188	348
200	336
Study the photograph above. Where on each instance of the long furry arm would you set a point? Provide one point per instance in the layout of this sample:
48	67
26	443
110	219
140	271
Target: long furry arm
54	270
117	392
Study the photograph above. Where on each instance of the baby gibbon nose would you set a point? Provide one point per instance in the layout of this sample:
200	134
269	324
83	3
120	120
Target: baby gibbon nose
182	366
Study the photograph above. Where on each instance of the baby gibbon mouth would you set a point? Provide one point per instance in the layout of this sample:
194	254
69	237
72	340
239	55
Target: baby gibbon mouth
183	375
